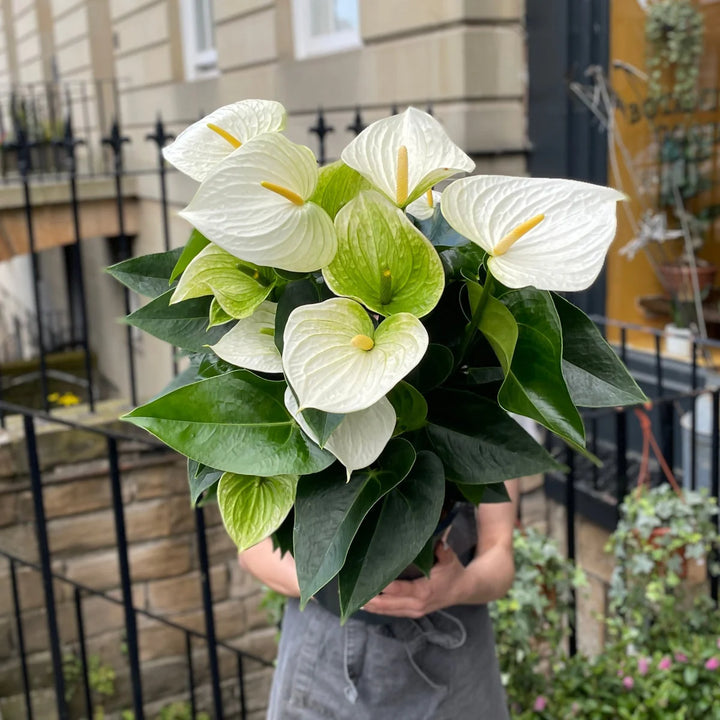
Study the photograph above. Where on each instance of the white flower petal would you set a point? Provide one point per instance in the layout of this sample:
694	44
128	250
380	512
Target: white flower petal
564	251
198	149
361	436
431	155
421	208
328	372
235	211
251	343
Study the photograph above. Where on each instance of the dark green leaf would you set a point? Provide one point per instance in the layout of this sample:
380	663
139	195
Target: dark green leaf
297	293
337	185
196	242
493	493
322	423
433	369
201	478
329	510
479	443
437	230
426	557
235	422
392	536
595	375
183	324
283	537
410	407
463	261
148	275
485	375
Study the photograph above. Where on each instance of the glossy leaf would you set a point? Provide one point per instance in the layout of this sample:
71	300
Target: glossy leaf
479	443
463	261
253	507
235	422
337	185
196	242
329	510
492	493
147	275
183	325
595	375
321	424
295	294
383	261
410	407
437	229
200	478
393	535
434	368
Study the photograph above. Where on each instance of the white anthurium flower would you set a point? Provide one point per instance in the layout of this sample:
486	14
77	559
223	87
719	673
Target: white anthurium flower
337	361
251	342
361	436
405	155
549	233
202	145
424	207
255	205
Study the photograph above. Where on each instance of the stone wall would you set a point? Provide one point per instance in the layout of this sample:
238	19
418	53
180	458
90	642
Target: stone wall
164	570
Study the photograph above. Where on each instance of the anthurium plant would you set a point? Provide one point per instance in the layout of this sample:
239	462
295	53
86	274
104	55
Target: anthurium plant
358	341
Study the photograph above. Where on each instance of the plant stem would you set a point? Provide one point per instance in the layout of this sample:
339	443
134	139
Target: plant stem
476	318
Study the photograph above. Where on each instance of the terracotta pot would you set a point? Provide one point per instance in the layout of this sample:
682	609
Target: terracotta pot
678	279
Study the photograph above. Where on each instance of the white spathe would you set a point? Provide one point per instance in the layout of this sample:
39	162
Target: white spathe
421	209
564	250
251	342
361	436
327	369
235	210
431	155
199	148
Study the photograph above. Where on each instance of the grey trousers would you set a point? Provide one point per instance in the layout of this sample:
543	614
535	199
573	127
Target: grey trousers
440	667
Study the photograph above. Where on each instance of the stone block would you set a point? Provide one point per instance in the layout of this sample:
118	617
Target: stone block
69	498
79	533
39	667
246	40
166	476
181	516
161	559
184	592
257	689
255	615
230	618
590	541
20	540
7	644
44	705
99	570
591	606
8	508
533	508
147	520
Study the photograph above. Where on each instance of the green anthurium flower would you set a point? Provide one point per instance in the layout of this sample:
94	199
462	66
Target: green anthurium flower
424	207
238	287
549	233
200	147
337	361
405	155
383	260
255	205
361	436
251	342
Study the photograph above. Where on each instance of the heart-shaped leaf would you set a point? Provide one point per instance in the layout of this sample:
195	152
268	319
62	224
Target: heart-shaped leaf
336	361
479	443
329	510
251	343
359	438
410	407
253	507
148	275
183	325
492	493
238	287
435	367
383	260
233	422
595	375
392	536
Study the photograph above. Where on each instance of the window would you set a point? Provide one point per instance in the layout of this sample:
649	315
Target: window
198	39
325	26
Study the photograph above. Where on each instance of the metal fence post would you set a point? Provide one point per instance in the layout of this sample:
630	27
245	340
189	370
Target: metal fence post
321	129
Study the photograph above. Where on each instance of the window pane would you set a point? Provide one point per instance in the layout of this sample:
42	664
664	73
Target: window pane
203	25
332	16
346	14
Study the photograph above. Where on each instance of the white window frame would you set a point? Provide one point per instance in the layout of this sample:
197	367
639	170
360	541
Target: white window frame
199	64
308	46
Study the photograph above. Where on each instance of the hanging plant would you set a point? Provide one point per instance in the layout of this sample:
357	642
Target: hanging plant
674	38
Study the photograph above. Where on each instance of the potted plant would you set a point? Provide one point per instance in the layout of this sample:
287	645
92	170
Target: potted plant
356	340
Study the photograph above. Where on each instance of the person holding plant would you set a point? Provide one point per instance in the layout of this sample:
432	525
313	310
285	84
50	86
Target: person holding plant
422	648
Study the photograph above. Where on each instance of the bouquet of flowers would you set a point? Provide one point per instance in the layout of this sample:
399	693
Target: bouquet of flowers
357	340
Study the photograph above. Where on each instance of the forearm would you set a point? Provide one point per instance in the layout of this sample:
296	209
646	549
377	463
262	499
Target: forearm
486	578
271	568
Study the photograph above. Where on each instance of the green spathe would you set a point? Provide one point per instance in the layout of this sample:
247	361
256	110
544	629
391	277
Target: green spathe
383	260
253	507
238	287
196	242
337	185
329	372
236	422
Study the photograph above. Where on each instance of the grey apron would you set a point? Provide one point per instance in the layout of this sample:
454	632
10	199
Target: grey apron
440	667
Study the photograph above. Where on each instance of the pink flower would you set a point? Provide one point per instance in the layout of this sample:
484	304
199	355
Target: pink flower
665	663
712	664
643	665
540	703
681	657
628	682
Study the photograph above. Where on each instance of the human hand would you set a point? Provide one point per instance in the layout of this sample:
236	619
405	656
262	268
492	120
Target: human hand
415	598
